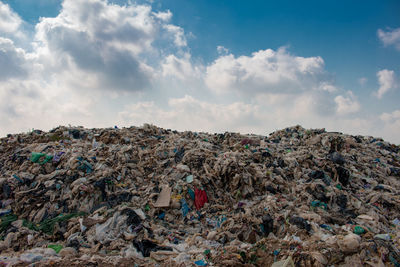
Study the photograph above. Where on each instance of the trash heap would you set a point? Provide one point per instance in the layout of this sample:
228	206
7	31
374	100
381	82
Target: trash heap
147	196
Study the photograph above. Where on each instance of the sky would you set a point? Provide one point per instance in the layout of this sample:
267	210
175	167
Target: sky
214	66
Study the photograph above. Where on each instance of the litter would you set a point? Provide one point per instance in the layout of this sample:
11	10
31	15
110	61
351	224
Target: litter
147	196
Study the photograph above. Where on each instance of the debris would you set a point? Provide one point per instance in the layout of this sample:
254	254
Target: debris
164	198
57	248
150	196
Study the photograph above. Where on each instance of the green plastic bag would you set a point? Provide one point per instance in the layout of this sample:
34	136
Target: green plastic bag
57	248
35	158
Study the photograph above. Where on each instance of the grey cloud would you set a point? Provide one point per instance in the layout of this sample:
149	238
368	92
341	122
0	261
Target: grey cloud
117	69
125	33
12	61
76	44
109	41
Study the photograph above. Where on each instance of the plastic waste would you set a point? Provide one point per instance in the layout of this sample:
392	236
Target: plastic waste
189	179
300	222
146	246
201	263
308	194
55	247
185	207
40	158
386	237
200	198
267	225
359	230
284	263
349	243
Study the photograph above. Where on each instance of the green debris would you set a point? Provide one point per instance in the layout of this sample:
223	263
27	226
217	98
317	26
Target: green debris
243	255
339	186
57	248
35	158
5	222
56	137
320	204
147	207
207	254
47	226
253	259
359	230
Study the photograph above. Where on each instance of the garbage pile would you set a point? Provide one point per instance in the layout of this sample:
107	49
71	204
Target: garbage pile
147	196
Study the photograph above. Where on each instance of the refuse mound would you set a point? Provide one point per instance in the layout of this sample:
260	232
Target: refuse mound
147	196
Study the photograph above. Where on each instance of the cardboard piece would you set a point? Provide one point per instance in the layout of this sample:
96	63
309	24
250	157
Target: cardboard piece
163	198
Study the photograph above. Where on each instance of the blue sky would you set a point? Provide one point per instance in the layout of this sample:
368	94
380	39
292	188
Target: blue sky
225	65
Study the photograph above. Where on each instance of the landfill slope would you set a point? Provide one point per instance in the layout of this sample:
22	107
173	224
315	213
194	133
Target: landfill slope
147	196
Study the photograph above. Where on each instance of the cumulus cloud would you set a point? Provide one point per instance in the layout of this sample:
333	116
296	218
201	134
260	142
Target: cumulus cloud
386	80
178	33
91	53
267	71
13	60
108	42
9	21
181	67
11	24
390	37
347	104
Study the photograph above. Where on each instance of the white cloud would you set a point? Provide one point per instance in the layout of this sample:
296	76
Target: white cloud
222	50
390	117
179	34
347	104
390	37
391	126
108	42
362	81
89	46
9	21
164	16
267	71
181	67
387	81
